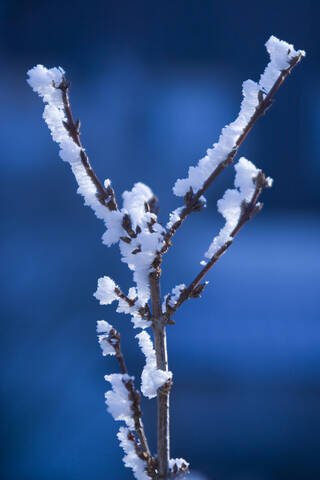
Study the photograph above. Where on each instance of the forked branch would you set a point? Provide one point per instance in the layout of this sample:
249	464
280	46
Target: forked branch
142	448
143	242
193	202
248	210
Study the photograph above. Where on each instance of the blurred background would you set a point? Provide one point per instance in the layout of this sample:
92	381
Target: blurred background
154	83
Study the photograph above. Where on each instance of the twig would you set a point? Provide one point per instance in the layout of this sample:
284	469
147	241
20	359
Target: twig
248	211
142	450
192	200
105	196
129	301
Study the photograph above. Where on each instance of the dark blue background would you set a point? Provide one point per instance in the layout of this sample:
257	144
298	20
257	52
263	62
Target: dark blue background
154	83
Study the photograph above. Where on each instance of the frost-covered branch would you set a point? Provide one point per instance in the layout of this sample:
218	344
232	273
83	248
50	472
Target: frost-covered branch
106	195
135	226
124	400
143	241
108	292
53	87
257	99
237	206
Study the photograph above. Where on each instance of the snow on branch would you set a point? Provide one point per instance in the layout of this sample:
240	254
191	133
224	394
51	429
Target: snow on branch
107	292
152	378
131	458
135	226
144	237
178	467
123	401
257	98
171	299
143	241
103	329
52	86
238	206
117	399
231	205
281	56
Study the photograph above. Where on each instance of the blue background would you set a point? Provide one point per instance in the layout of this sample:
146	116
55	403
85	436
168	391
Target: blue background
154	83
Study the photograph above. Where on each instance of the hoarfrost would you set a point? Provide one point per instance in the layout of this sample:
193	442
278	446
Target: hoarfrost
106	293
117	399
179	462
152	378
103	330
281	53
230	204
149	239
131	459
174	296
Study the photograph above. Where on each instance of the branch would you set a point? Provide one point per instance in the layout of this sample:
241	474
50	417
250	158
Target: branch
249	209
159	322
105	196
193	200
142	450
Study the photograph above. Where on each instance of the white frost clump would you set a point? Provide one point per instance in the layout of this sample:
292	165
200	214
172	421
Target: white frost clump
131	459
106	291
117	399
152	378
174	217
103	329
134	202
230	205
124	307
146	244
174	296
280	55
180	462
106	295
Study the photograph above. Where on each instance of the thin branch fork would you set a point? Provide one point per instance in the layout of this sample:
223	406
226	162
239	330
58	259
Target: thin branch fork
248	211
105	196
144	312
120	294
134	396
192	200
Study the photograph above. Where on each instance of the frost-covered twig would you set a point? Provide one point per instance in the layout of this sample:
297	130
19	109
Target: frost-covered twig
257	99
110	343
238	206
106	195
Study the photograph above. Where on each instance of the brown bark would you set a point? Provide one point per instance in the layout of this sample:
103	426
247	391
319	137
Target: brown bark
159	322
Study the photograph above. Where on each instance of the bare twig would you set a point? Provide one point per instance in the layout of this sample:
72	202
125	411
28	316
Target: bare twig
159	322
192	200
248	211
105	196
